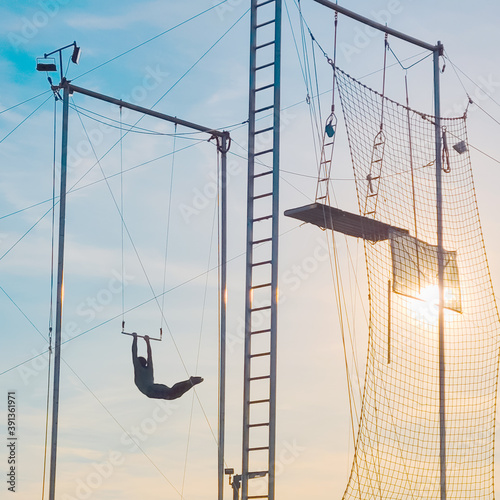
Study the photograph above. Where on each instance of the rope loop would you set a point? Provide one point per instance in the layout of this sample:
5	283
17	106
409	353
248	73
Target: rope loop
446	154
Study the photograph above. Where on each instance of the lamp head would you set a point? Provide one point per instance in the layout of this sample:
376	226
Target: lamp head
75	57
46	64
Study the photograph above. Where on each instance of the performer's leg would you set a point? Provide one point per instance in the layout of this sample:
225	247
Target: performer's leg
159	391
180	388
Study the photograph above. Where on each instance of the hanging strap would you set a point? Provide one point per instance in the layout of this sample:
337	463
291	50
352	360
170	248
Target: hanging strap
334	66
446	154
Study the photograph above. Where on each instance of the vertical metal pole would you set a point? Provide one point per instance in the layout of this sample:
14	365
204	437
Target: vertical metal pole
60	290
223	309
439	214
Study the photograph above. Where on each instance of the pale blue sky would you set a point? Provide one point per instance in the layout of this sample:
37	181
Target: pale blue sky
178	74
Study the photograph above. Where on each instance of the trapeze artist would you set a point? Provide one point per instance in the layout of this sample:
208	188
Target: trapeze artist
144	379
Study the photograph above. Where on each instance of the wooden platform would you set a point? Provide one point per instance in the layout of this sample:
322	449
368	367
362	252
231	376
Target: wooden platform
327	217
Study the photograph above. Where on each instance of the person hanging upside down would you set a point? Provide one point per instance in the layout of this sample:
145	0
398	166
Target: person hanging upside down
144	379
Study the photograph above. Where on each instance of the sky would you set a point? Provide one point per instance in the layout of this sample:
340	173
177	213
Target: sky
190	60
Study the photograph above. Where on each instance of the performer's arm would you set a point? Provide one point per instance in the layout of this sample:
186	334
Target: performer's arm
150	355
134	348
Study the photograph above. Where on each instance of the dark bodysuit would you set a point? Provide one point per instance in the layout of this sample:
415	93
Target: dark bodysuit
144	378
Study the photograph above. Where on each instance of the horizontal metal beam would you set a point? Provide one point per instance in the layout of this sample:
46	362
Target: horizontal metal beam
146	111
380	27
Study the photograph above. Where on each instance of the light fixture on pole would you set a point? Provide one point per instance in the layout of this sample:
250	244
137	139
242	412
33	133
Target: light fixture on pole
47	63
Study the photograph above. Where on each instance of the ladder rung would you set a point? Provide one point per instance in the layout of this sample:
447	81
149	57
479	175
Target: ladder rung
267	330
260	286
263	152
262	263
264	240
262	424
378	144
264	308
258	401
259	355
258	219
258	496
269	172
263	377
264	3
377	160
259	448
325	161
325	179
265	195
264	66
371	195
268	43
265	108
263	130
321	198
261	25
264	87
329	144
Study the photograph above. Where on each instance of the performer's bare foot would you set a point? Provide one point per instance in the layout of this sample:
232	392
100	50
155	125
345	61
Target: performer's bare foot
196	380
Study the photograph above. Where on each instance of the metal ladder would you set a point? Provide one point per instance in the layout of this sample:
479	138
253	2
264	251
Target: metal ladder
325	163
373	177
259	410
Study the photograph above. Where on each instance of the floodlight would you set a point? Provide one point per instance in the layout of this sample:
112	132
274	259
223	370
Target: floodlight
46	64
252	475
76	54
460	147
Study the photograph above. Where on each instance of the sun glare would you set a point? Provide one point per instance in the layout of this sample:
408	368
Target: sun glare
425	307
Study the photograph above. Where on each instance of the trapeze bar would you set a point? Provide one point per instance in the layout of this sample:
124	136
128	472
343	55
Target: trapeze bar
327	217
380	27
141	336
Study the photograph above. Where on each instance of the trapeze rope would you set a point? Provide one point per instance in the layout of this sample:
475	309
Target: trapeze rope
155	297
172	165
309	100
122	229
